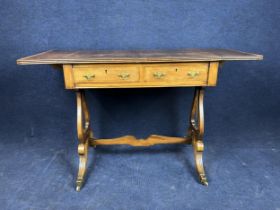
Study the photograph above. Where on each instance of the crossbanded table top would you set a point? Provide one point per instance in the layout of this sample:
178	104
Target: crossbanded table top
137	56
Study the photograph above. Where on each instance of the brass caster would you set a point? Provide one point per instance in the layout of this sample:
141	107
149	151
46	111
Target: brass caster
79	185
203	179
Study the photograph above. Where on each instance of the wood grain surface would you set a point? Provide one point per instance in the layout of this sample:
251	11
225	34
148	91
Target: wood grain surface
137	56
140	75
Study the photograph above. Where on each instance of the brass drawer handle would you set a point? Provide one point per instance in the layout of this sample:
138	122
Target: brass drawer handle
89	77
124	76
193	74
158	75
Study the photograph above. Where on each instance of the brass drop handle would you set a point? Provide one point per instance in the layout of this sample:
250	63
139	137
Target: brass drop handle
193	74
124	76
158	75
89	77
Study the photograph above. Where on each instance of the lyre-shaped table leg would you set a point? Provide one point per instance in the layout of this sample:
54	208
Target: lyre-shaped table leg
84	133
196	131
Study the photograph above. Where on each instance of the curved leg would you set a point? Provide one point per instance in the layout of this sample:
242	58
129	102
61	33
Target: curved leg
197	131
83	155
84	132
198	147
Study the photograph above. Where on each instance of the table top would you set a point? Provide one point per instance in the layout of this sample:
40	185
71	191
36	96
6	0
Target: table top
137	56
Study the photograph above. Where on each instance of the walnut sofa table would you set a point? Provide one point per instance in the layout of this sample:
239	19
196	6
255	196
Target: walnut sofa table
138	69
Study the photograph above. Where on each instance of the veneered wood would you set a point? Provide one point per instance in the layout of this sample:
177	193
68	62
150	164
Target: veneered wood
138	75
175	73
132	141
84	134
126	69
213	73
196	131
137	56
68	76
104	73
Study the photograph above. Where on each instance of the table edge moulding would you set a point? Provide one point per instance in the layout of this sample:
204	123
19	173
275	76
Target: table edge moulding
83	70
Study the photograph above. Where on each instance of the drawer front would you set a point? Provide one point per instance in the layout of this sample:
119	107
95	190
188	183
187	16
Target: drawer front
105	74
189	73
140	75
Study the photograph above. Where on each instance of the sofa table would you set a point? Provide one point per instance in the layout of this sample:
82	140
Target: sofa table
138	69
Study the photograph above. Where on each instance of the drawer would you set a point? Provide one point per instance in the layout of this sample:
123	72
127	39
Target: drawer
140	75
98	73
189	73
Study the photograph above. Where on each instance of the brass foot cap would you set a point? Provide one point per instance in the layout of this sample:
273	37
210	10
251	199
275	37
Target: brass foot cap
79	185
204	183
203	179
